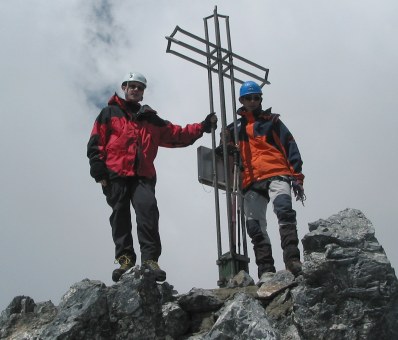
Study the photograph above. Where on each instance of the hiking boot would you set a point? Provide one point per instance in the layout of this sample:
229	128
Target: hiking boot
126	262
262	269
160	275
295	267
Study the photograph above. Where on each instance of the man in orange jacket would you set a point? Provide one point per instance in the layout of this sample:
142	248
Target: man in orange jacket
271	166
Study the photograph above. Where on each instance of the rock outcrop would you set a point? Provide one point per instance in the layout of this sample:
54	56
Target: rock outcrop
348	290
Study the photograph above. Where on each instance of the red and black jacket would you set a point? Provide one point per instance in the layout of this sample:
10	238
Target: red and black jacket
125	139
267	147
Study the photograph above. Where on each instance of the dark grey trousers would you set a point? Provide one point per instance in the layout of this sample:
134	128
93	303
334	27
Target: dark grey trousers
140	192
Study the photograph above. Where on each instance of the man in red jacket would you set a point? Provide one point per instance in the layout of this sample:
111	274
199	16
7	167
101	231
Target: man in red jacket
121	150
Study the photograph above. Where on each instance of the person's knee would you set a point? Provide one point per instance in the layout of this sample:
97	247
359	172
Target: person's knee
146	206
283	209
256	234
253	228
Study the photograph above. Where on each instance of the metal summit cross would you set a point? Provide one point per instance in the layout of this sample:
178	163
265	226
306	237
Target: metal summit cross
222	172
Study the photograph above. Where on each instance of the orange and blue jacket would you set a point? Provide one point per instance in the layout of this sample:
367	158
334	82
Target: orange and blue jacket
267	148
125	142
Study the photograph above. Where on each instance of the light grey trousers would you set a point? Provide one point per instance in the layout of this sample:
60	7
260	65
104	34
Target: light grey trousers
256	200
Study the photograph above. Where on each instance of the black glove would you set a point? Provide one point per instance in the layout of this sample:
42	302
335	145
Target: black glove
209	122
298	190
98	171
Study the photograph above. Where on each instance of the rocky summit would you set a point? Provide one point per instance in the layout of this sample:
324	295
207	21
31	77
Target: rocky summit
348	290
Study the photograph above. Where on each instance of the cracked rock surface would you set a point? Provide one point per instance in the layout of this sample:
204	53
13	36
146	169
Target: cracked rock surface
348	290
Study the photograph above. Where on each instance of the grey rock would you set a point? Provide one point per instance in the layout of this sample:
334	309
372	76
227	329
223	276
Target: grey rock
135	310
242	279
349	228
199	300
280	314
224	294
175	319
18	322
242	318
82	313
348	290
265	277
167	292
201	322
274	284
20	304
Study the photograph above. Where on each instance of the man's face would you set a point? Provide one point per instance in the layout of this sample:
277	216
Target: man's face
133	91
251	101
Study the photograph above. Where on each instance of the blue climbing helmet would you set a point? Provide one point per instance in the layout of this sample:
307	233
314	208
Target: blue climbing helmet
249	87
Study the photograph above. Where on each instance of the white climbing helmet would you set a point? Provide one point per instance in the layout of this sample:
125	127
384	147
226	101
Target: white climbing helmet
134	76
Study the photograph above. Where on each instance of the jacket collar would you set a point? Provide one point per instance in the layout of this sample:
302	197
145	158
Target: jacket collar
259	112
130	108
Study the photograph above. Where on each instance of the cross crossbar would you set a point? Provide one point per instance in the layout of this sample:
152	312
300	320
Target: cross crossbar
226	64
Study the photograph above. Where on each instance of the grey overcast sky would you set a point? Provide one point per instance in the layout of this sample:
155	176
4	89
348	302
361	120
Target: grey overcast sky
333	73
